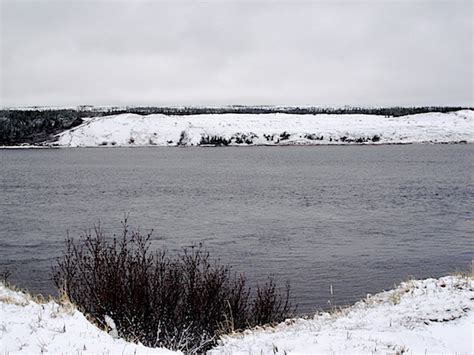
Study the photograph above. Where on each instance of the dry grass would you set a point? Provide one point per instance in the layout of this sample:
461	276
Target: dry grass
23	297
20	297
468	275
13	301
65	302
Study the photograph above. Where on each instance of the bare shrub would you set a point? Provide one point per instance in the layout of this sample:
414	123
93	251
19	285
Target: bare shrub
5	276
183	302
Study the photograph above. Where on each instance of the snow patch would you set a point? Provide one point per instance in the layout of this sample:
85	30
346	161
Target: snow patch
418	317
31	327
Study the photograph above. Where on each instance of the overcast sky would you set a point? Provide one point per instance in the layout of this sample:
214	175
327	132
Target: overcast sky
242	52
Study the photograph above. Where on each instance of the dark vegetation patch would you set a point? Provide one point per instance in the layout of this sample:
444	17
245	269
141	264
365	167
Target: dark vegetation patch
314	137
269	137
363	139
182	302
183	138
17	127
237	138
241	138
284	136
214	140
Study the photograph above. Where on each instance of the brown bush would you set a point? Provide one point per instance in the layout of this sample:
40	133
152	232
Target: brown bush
183	302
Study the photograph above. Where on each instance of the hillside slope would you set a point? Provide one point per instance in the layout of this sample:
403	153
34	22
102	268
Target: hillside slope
269	129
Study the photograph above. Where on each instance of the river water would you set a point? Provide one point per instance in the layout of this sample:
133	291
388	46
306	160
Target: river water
359	218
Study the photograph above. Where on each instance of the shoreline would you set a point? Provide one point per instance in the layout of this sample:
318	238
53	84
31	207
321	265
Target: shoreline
417	316
19	147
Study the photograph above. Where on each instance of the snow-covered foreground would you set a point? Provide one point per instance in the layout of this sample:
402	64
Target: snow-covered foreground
269	129
418	317
29	327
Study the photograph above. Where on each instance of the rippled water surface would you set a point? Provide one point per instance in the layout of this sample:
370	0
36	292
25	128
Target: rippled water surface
359	218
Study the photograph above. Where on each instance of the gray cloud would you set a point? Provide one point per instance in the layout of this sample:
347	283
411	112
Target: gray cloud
163	53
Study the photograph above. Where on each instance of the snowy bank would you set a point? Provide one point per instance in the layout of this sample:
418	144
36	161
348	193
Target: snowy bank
31	327
418	317
269	129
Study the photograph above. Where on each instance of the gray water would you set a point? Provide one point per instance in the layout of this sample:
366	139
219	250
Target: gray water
360	218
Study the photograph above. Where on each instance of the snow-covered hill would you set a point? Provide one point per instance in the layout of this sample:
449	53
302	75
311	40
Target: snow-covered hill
430	316
269	129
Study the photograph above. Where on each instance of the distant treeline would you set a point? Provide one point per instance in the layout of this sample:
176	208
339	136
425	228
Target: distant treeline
35	126
39	125
309	110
